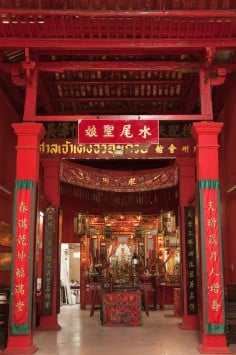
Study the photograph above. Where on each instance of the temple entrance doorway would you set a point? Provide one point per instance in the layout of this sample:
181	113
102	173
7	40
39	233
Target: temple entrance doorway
70	274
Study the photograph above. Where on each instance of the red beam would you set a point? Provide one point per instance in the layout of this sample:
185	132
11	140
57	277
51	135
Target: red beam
116	65
113	65
31	94
121	14
118	82
71	118
108	112
119	98
123	45
105	52
205	94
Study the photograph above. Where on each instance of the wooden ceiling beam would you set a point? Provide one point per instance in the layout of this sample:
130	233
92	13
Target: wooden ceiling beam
109	112
105	53
202	14
129	54
119	98
122	44
117	66
129	66
70	118
118	82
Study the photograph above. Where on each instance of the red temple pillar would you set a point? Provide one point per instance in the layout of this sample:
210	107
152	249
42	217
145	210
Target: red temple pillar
187	180
51	189
22	299
213	338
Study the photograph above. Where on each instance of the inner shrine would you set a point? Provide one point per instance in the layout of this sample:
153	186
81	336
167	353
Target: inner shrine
126	251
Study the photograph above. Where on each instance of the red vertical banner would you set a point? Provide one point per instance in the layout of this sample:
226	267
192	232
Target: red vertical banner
212	256
22	272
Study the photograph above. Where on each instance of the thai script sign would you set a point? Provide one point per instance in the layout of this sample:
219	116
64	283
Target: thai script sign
166	148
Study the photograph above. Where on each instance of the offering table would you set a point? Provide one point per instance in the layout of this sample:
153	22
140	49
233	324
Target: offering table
121	308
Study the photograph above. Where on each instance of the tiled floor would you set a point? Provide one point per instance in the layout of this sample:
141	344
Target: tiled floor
81	334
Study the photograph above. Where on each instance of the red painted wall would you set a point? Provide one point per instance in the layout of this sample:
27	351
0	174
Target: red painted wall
228	178
70	205
7	171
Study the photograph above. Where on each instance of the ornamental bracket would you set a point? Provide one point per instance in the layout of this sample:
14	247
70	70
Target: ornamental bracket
218	77
209	56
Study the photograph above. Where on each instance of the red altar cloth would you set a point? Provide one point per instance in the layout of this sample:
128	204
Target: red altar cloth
121	309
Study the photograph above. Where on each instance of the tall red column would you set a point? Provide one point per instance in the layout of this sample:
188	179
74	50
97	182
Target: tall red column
213	338
51	189
20	339
187	180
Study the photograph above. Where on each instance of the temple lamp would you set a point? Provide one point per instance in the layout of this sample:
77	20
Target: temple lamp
134	263
153	232
134	259
108	232
138	233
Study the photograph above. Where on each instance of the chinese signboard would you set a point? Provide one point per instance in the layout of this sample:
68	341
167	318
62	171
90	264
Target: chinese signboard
48	260
118	131
69	129
191	260
23	229
212	259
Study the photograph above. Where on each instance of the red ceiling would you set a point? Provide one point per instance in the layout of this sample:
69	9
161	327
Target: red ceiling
115	57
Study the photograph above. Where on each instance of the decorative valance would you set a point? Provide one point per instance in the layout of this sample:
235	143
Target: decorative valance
118	181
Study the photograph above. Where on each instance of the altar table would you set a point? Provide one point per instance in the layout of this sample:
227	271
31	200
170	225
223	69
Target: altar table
166	294
121	308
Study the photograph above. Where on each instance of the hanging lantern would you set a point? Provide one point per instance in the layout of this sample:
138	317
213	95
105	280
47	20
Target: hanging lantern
138	233
168	222
154	232
92	231
108	232
81	224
